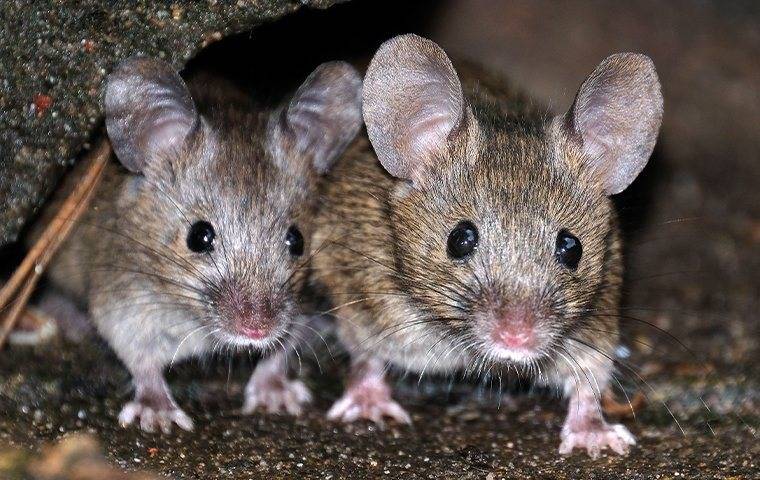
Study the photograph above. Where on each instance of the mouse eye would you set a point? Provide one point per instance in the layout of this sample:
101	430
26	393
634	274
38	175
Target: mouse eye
462	240
294	241
200	237
568	250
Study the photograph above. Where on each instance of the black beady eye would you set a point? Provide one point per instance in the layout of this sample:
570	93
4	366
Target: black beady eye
568	249
462	240
200	238
294	241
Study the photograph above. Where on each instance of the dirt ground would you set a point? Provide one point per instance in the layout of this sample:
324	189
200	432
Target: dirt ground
692	222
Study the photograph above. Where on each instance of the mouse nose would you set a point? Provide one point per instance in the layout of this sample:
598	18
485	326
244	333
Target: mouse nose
252	316
253	331
521	339
515	328
255	318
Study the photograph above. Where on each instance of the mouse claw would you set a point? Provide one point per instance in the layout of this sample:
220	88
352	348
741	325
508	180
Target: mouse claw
368	403
594	439
276	396
149	418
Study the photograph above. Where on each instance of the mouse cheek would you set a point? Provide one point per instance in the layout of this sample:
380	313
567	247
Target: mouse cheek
574	294
296	279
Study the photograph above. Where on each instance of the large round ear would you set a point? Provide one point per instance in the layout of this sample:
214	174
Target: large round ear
148	110
322	117
616	117
412	103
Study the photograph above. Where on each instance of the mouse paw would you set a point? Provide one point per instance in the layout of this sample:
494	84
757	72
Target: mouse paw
368	402
596	438
276	395
149	417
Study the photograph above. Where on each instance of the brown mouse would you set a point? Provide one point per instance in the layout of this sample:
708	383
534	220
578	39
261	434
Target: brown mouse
479	235
198	240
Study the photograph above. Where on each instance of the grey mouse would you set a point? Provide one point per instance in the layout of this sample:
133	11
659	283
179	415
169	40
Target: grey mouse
198	241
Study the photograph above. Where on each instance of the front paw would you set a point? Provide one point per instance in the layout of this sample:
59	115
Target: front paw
276	395
369	403
149	417
595	438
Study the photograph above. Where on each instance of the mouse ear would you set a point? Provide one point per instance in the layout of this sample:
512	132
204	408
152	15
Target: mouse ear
412	103
616	117
148	110
324	115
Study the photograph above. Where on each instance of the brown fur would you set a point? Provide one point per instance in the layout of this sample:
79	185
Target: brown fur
466	150
384	254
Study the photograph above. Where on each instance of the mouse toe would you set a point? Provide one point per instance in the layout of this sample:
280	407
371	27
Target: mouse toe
597	438
152	419
276	396
368	403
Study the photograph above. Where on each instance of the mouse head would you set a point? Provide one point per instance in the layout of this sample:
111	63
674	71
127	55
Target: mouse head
503	227
218	213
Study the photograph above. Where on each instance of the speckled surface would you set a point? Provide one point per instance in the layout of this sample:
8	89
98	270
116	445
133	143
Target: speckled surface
55	55
52	391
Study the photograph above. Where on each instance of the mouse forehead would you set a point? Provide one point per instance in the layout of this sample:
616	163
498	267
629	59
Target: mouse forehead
521	176
514	187
233	182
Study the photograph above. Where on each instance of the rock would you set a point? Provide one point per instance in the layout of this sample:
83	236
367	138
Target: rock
75	457
54	57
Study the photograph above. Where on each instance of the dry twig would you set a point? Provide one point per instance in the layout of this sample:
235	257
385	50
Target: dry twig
628	409
25	278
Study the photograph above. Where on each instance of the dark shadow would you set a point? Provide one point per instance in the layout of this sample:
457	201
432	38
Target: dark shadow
634	204
10	256
275	58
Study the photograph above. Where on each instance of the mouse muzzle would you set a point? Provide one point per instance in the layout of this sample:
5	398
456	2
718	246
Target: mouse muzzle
515	331
249	317
254	319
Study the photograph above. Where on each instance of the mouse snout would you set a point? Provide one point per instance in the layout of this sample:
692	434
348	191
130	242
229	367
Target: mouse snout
514	331
255	319
515	328
253	316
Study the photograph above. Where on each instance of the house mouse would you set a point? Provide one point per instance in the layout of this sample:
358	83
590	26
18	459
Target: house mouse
198	241
477	233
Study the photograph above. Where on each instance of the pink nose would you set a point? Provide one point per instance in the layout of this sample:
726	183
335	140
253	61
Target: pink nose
515	328
515	339
249	315
253	332
256	325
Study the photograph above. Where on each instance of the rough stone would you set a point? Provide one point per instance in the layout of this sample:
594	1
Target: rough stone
53	58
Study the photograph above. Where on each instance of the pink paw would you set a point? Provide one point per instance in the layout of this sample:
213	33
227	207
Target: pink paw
276	395
597	438
149	417
369	402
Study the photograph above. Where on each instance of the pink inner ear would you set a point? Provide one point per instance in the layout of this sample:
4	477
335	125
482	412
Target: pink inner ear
617	113
428	134
609	136
595	134
170	131
430	107
148	108
412	101
324	114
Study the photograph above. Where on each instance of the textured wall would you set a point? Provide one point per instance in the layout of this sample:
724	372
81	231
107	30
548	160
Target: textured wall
54	56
